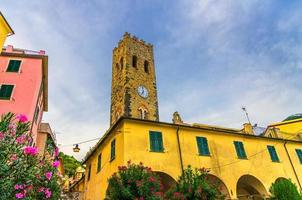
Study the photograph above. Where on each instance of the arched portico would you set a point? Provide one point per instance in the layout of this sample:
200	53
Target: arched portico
219	184
250	188
166	180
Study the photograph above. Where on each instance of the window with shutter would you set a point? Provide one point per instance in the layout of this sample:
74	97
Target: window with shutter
299	154
112	155
89	172
273	153
6	91
240	150
99	162
156	141
203	147
13	66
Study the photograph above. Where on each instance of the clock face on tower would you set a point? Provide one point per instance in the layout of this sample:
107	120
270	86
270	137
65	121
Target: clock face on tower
142	91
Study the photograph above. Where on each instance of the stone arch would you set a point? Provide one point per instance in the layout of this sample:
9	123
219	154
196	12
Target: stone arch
166	180
250	188
143	112
212	179
280	179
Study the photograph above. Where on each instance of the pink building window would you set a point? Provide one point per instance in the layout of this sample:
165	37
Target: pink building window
13	66
6	91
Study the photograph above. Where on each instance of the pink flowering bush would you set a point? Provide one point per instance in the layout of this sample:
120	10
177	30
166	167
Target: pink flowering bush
194	184
134	182
23	173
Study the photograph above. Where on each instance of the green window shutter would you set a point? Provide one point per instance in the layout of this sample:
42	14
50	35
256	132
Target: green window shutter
6	91
243	154
273	153
240	150
299	154
89	172
14	66
112	156
156	141
203	147
99	162
160	141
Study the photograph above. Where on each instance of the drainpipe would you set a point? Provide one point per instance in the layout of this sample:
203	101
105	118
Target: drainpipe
291	162
179	149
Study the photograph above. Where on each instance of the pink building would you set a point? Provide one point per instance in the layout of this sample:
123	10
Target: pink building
24	84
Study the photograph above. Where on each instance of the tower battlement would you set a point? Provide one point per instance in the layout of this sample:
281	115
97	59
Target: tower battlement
129	36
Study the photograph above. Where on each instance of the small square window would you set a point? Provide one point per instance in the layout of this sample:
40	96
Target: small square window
13	66
6	91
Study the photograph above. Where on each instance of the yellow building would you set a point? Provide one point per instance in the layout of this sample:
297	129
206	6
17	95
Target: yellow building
291	128
243	163
5	30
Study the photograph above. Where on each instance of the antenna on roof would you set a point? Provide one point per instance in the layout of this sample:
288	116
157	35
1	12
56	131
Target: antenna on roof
247	115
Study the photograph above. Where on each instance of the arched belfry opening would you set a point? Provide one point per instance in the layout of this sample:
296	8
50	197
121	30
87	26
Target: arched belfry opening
250	188
143	112
134	61
146	66
122	62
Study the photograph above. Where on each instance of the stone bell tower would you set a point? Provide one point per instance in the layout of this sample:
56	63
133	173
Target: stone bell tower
133	90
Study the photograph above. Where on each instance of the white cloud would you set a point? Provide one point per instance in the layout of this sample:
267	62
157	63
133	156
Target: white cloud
221	54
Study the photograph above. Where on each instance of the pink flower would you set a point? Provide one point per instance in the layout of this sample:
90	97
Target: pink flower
41	189
2	136
57	152
30	150
47	193
21	139
151	179
30	187
48	175
56	163
22	118
19	195
12	129
19	187
14	157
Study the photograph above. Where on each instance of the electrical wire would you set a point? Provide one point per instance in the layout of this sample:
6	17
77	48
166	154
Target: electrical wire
82	142
251	156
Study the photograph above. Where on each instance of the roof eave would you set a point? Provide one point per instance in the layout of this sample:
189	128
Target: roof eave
11	31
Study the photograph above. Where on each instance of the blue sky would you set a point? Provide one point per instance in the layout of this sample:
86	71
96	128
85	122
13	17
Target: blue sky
211	58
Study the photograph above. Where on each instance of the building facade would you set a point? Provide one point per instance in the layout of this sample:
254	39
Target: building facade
5	30
24	84
244	164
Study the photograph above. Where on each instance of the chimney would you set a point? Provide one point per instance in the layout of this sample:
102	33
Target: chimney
41	52
9	48
248	129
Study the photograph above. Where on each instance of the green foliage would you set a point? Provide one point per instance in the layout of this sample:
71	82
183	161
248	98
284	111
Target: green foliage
134	182
194	184
23	174
70	164
284	189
